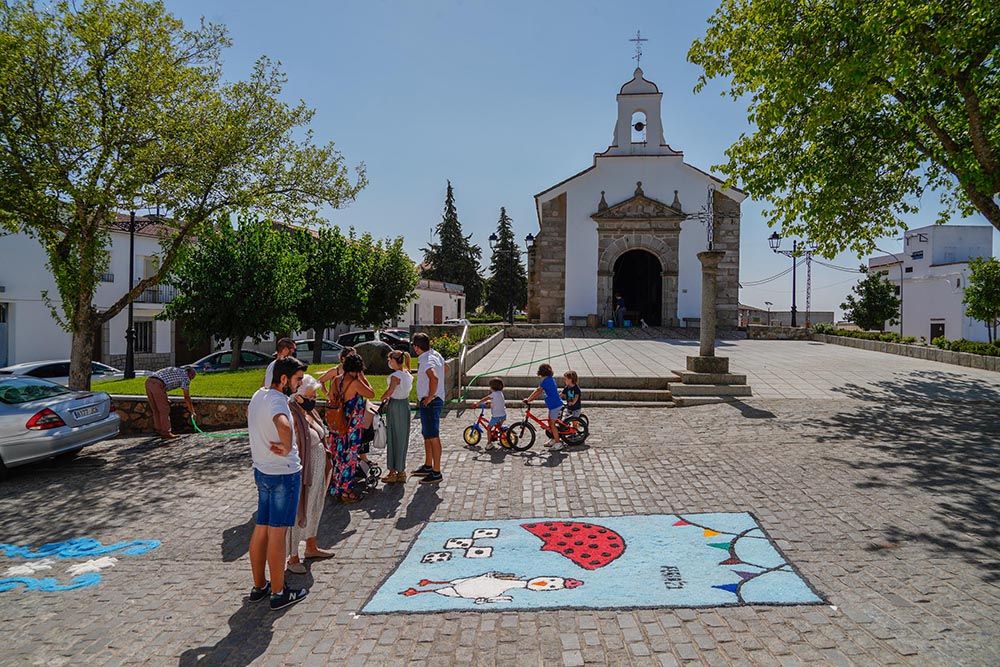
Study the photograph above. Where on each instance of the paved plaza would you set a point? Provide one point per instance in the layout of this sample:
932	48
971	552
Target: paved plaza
882	489
774	369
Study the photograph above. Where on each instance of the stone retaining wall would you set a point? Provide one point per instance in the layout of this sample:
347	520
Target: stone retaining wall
916	351
764	332
523	330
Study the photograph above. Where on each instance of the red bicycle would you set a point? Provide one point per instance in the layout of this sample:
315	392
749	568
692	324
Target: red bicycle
572	430
474	432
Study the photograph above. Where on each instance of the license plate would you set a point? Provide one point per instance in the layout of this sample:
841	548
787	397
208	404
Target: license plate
86	412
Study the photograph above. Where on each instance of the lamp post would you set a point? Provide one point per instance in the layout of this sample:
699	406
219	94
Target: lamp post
768	304
898	259
806	247
131	226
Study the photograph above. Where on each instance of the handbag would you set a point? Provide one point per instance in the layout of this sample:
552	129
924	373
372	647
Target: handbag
336	420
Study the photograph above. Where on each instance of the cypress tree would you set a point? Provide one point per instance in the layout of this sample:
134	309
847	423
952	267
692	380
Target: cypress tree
508	280
454	258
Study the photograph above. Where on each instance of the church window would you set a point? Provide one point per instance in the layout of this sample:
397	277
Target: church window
639	127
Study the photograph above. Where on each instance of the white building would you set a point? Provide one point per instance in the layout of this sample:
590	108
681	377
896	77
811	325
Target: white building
933	268
435	302
30	332
629	224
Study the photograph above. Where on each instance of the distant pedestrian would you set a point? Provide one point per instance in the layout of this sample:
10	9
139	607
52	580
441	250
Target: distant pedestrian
277	471
285	347
619	310
430	394
397	401
310	437
351	388
157	386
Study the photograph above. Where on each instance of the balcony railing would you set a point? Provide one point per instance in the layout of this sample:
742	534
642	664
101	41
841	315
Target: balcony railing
107	277
158	294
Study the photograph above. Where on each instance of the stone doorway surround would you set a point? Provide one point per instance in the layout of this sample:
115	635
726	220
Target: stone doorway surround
639	223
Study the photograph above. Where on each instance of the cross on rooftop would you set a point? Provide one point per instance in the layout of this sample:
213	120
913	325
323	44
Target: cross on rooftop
638	39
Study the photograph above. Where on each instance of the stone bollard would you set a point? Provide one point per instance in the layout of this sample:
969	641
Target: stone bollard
706	361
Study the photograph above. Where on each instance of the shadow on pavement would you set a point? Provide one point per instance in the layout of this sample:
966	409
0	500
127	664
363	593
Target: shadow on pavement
751	412
236	540
943	431
250	633
421	507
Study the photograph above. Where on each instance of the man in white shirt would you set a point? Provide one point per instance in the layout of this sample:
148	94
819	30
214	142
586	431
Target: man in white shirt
285	347
277	472
430	394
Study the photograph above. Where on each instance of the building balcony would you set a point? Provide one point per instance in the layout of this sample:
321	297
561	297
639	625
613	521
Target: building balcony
158	294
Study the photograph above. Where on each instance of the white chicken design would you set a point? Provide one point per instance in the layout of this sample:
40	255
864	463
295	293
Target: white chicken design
491	586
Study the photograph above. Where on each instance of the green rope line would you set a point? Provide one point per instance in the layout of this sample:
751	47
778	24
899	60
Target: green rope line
234	434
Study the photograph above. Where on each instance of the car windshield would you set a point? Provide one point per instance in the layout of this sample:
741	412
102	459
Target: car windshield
26	389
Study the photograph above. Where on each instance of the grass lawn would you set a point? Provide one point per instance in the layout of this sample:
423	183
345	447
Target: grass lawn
226	384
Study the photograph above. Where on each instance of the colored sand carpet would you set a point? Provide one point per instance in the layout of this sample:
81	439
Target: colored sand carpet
624	562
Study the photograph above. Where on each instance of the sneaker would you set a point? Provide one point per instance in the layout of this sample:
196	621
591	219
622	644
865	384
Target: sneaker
287	597
258	594
491	446
550	442
422	470
556	446
432	478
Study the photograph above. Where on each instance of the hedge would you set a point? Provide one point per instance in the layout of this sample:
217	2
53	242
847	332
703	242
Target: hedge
449	347
970	346
883	336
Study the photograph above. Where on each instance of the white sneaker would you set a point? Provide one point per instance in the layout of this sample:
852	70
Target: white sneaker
550	442
556	445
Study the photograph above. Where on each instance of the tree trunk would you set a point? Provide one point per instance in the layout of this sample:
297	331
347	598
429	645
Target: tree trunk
82	348
317	344
237	348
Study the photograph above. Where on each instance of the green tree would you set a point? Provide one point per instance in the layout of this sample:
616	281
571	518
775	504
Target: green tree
391	288
454	258
982	294
106	105
876	303
507	287
333	289
859	108
237	283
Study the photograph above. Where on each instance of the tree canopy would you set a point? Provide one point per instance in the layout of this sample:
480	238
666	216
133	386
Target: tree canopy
392	283
874	305
107	106
507	286
859	108
454	258
982	294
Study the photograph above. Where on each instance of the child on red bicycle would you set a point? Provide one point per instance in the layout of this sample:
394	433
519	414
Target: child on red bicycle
553	402
498	410
572	394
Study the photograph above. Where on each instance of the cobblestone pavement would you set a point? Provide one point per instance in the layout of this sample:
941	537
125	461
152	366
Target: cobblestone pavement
774	368
889	509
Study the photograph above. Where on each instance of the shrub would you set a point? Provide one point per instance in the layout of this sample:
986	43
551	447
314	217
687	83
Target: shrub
446	345
824	328
970	346
479	333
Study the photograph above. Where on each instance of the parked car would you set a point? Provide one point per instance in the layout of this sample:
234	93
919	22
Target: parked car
58	371
457	321
353	338
401	334
397	339
330	351
41	419
220	361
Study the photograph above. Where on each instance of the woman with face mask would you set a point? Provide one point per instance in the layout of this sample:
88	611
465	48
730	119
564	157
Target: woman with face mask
311	434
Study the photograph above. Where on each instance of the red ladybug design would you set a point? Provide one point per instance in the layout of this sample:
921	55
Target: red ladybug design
587	544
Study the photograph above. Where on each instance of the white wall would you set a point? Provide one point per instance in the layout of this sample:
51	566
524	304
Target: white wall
421	309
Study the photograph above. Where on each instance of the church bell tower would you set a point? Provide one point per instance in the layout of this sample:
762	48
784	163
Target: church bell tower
639	129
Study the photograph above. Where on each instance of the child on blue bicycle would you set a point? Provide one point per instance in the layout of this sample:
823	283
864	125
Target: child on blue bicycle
498	410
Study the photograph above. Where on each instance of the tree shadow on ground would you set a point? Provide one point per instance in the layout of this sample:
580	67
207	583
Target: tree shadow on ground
941	430
251	629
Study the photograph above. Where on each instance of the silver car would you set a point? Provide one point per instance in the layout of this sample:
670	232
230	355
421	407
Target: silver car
40	419
58	371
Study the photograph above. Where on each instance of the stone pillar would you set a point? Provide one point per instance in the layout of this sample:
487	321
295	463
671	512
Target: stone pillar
706	361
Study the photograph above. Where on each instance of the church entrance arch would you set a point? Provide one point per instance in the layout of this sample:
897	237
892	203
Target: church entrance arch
638	277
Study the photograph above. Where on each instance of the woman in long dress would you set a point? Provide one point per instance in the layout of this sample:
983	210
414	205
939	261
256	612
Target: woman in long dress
354	387
310	434
398	422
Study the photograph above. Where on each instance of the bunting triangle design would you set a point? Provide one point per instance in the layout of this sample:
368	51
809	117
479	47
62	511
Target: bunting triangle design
727	587
681	522
711	533
731	561
720	545
744	575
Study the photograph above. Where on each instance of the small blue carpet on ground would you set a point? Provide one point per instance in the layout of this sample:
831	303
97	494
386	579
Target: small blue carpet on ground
667	560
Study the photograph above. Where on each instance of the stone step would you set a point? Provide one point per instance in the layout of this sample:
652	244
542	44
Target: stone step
598	382
690	377
679	390
589	395
514	410
691	401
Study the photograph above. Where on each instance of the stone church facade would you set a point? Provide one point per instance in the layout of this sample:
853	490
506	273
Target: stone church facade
587	250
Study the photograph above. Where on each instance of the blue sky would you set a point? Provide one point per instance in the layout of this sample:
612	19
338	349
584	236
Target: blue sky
503	98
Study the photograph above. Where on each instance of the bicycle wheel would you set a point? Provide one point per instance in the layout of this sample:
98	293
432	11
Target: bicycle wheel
472	435
508	438
576	431
524	436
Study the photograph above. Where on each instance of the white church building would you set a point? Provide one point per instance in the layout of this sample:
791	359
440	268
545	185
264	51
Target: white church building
633	224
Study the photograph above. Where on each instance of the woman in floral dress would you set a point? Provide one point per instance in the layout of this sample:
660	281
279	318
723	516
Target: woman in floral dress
355	388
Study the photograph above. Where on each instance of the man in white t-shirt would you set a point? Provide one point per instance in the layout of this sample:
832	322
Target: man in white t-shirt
430	394
277	472
285	347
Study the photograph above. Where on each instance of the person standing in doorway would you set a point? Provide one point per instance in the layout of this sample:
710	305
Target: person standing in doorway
157	386
277	471
430	394
619	310
285	347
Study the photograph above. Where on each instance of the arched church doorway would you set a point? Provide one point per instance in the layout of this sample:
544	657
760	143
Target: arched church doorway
638	277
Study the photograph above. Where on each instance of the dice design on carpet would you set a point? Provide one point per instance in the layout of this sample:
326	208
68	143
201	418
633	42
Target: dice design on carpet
459	543
436	557
482	533
479	552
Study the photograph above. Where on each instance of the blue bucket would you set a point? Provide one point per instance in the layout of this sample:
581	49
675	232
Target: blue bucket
627	323
611	324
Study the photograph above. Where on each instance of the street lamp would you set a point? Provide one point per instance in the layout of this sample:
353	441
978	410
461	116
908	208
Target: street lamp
805	247
900	287
131	227
768	304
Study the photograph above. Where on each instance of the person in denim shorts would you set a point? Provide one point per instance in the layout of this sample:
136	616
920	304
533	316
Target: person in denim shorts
430	394
277	472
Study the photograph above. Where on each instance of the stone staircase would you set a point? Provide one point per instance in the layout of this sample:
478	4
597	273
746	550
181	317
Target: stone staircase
679	390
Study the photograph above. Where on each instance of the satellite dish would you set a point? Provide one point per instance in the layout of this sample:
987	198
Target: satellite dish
640	126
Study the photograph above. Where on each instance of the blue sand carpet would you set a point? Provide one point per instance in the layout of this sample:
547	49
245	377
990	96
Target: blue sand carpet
666	560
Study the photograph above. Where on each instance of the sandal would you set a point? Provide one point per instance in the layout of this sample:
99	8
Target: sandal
349	497
391	478
296	568
320	553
